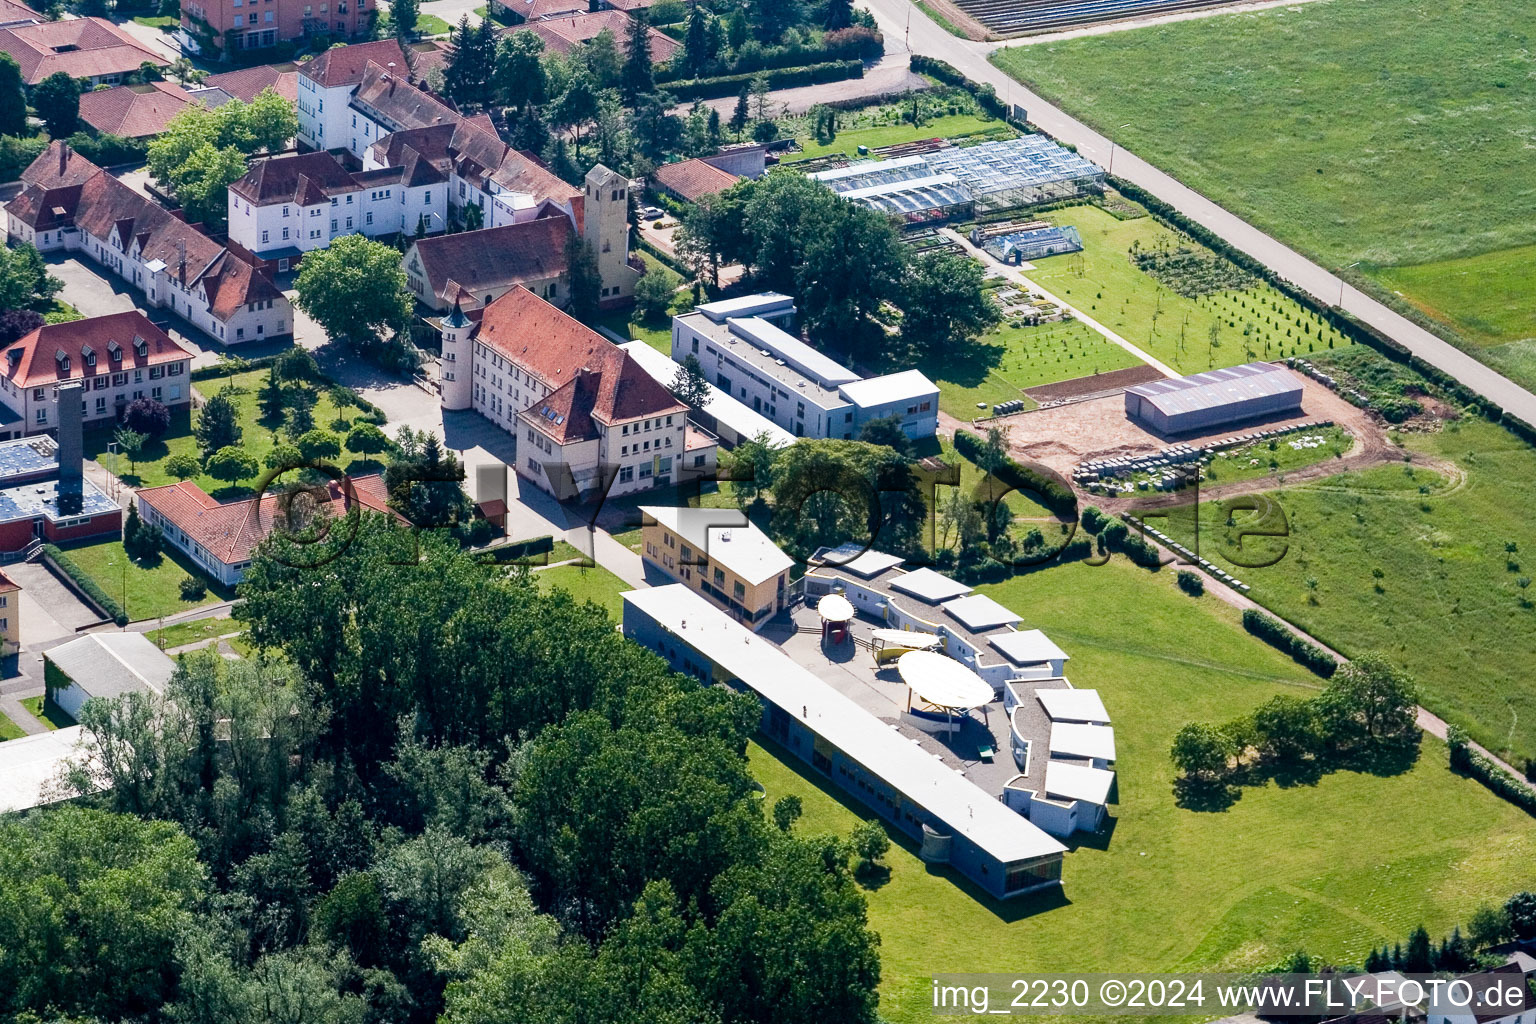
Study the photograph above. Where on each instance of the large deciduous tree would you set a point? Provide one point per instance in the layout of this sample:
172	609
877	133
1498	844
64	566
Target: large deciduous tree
355	289
13	98
57	100
943	303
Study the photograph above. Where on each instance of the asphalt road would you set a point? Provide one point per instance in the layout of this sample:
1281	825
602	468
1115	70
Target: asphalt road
899	19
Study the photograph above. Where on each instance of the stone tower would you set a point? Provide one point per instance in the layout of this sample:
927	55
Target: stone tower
458	369
605	228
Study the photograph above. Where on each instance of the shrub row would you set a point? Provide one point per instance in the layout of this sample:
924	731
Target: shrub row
1052	491
781	78
1349	326
1274	632
947	73
87	585
1471	762
644	245
855	43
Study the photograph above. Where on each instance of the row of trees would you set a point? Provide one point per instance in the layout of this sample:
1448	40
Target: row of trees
202	151
1488	927
452	798
1367	710
844	263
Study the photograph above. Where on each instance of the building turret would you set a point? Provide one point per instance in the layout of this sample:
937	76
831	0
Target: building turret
458	371
605	228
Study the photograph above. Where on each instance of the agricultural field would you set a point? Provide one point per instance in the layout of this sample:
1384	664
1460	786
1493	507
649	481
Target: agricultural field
1173	298
1176	889
1395	134
1428	562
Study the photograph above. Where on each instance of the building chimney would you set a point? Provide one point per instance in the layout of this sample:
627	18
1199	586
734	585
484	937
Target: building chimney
63	157
68	398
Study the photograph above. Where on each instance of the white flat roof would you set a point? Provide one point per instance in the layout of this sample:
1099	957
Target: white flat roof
771	303
779	343
979	612
856	559
929	585
963	807
1074	740
893	387
29	764
1078	782
1073	706
740	418
727	537
1027	646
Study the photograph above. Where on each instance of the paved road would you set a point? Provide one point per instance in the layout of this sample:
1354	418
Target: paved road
971	59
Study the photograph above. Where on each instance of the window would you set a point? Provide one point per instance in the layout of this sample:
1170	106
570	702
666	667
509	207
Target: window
285	211
368	218
37	394
42	415
239	20
264	238
285	234
626	474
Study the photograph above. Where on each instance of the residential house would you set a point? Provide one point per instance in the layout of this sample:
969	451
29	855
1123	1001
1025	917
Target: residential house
220	538
248	83
566	32
587	418
69	204
117	358
90	50
214	28
474	268
106	666
326	85
134	111
720	555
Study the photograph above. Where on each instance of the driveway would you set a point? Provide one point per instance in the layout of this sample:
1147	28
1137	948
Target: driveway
970	58
49	610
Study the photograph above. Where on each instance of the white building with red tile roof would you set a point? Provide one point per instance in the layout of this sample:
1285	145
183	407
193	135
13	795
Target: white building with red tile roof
89	49
118	357
134	111
69	204
587	418
221	537
327	83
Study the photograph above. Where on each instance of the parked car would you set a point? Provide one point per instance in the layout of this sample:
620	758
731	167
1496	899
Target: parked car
652	212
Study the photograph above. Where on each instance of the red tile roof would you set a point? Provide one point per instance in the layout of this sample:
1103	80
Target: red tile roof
58	165
134	111
233	283
399	102
6	583
248	83
79	47
231	531
691	179
493	259
285	179
565	33
533	10
34	359
11	11
344	65
616	390
109	209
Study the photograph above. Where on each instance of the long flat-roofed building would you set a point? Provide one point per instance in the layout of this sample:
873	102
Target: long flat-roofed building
731	421
746	351
954	820
721	555
1211	400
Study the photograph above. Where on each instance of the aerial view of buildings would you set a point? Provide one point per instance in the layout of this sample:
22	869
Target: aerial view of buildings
740	512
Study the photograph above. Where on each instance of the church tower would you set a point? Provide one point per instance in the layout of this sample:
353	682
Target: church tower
457	367
605	229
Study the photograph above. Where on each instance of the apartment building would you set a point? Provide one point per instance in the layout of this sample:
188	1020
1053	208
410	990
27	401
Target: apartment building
720	555
211	28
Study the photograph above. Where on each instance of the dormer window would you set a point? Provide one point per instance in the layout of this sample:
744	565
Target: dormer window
62	359
140	347
115	351
89	355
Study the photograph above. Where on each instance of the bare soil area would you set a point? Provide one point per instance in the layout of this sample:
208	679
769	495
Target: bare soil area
1094	383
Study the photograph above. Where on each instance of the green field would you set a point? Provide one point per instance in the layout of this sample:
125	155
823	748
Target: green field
50	714
180	633
595	584
258	437
1395	133
1175	889
1487	297
1103	282
144	591
1277	455
1448	605
947	126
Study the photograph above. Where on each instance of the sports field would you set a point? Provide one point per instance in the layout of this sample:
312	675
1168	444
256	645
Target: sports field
1396	133
1177	889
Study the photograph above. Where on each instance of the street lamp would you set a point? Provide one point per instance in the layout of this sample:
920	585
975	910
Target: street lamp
1352	266
1112	149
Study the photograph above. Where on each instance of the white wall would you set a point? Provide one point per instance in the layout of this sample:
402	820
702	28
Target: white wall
324	117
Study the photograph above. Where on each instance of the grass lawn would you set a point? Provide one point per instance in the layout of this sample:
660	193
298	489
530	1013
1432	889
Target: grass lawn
1278	455
180	633
45	711
947	126
161	23
150	590
1487	297
1395	133
258	437
1250	323
9	730
596	584
1447	605
432	25
1174	889
1517	361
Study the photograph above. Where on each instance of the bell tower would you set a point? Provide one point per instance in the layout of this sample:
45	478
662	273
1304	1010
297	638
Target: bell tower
605	229
457	368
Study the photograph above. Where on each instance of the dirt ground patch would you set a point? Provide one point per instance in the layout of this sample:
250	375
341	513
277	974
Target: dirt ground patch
1062	436
1077	386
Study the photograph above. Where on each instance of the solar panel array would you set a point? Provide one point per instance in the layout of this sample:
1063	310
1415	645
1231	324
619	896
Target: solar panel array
1017	17
28	501
28	455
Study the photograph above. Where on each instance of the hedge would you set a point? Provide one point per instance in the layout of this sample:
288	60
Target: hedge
1052	492
947	73
667	259
857	43
1275	633
1473	763
781	78
86	583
